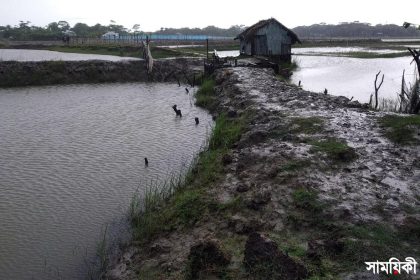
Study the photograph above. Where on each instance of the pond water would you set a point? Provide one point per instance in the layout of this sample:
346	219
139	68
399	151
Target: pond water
179	46
233	53
71	158
337	50
402	40
351	77
42	55
411	46
321	50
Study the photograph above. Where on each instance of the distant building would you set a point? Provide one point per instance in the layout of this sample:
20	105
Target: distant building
111	35
69	33
268	38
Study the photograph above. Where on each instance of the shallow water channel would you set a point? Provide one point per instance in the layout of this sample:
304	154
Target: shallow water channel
71	158
44	55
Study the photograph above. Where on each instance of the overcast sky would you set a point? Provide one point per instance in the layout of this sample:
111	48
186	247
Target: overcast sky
154	14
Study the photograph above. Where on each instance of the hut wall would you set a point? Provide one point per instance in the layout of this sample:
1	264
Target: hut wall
270	40
279	41
261	39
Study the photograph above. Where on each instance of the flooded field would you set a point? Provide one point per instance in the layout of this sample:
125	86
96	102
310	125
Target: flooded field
228	53
339	50
71	158
321	68
351	77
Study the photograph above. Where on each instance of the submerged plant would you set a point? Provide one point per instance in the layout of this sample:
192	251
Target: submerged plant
181	200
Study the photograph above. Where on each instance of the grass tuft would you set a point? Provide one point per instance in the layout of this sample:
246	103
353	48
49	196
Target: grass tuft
226	132
372	242
295	165
182	201
96	268
309	125
307	200
189	206
205	96
401	129
335	149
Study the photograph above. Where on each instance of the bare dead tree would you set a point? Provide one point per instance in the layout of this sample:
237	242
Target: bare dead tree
416	56
409	98
377	88
415	98
403	93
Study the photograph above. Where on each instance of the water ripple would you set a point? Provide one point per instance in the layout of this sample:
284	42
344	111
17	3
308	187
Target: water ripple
71	158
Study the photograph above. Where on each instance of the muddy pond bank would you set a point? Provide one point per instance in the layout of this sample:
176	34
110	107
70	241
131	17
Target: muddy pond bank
14	74
311	187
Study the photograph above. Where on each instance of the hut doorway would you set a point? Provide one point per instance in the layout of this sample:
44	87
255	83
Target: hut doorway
260	45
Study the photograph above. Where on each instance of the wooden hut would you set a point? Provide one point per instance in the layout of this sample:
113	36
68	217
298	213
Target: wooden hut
268	38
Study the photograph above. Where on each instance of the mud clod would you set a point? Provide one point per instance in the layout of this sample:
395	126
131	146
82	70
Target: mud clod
259	200
206	258
264	260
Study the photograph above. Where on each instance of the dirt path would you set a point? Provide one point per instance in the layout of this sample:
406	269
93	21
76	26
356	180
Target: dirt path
383	173
313	181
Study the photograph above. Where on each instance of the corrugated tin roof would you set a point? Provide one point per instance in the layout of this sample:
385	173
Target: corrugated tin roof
248	33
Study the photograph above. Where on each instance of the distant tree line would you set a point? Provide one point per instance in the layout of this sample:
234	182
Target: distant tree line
209	30
355	30
56	30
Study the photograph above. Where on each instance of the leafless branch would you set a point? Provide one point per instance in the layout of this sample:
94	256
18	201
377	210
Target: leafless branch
377	88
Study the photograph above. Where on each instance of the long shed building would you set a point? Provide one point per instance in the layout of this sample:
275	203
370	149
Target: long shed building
268	38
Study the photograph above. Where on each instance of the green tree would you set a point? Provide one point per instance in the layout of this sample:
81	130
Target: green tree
63	25
136	28
82	29
53	27
113	26
97	30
